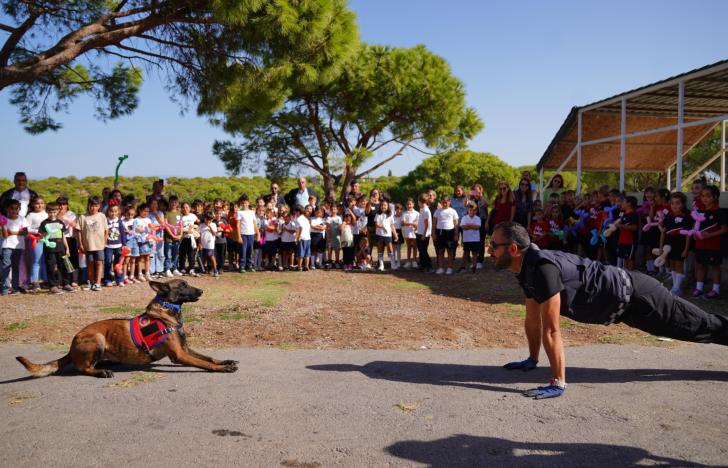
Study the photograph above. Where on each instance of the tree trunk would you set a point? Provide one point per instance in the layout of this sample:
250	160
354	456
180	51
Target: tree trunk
329	186
347	177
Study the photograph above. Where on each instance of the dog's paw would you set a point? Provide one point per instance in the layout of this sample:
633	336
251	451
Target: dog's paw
229	368
105	374
229	362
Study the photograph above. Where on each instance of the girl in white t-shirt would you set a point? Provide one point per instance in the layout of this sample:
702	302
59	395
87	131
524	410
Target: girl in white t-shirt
36	216
318	238
208	231
272	239
445	235
288	240
472	244
385	232
410	218
188	246
399	239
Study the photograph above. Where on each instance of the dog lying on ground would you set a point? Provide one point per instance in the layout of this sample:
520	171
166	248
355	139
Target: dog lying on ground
156	334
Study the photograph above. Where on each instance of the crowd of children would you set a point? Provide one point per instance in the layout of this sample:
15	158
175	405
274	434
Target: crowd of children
119	241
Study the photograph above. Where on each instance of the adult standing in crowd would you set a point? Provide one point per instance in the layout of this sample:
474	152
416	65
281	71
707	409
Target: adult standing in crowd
299	196
524	203
20	192
534	188
504	206
275	195
157	191
459	202
354	190
587	291
556	185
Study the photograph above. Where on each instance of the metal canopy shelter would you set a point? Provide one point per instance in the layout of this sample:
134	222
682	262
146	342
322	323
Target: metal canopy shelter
648	129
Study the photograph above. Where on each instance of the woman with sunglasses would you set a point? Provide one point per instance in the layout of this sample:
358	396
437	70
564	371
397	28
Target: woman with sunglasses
504	207
555	186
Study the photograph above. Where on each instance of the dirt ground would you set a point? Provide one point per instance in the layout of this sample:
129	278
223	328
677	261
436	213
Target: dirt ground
317	310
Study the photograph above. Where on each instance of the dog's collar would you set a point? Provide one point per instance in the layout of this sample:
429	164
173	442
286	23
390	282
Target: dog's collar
176	308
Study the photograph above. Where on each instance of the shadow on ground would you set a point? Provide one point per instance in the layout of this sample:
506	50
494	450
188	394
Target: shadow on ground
70	371
461	450
485	377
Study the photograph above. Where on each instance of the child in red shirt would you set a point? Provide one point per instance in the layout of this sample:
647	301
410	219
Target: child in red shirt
627	225
707	245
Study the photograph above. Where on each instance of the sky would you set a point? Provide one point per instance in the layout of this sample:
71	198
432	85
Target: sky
524	65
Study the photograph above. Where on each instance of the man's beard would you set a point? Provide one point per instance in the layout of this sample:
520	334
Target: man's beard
504	261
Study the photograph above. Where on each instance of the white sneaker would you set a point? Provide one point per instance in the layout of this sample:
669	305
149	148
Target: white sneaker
440	271
140	277
395	267
149	277
192	273
415	265
381	266
177	273
408	265
449	271
168	274
479	266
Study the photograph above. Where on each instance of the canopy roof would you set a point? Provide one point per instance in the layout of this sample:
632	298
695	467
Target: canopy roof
650	107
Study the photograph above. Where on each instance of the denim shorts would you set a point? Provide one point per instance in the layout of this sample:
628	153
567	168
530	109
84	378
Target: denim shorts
304	248
95	256
145	248
133	246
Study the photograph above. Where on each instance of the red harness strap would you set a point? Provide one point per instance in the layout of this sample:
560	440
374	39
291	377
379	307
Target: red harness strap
147	333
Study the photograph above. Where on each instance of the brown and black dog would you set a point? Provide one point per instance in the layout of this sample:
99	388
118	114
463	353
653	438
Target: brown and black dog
110	340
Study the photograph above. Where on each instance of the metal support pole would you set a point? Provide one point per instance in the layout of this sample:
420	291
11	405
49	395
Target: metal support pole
722	156
540	183
578	155
669	178
622	144
680	122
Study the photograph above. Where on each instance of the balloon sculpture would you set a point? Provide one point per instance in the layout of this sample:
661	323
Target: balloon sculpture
118	165
118	266
695	231
582	214
3	220
661	258
645	208
596	237
656	222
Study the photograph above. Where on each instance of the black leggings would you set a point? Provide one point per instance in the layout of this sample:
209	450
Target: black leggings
655	310
348	255
186	254
422	245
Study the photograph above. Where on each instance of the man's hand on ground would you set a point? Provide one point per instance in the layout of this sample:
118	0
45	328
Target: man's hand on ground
525	365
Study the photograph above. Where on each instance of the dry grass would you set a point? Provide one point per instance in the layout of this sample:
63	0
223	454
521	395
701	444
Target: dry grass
137	378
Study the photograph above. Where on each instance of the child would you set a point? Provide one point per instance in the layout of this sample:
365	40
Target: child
220	240
69	218
188	246
260	240
318	238
539	229
272	239
555	235
707	247
114	241
347	240
141	227
446	235
92	233
37	270
157	221
362	254
208	231
333	234
54	250
651	238
627	224
399	239
361	220
288	239
410	218
303	239
130	262
423	232
13	246
470	225
172	238
385	232
249	233
678	219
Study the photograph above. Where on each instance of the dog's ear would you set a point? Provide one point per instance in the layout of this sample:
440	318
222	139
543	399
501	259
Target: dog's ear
158	286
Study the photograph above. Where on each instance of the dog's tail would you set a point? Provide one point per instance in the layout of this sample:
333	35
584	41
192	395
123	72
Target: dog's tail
41	370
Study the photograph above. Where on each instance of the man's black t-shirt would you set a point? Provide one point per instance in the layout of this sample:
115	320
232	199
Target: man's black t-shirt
546	282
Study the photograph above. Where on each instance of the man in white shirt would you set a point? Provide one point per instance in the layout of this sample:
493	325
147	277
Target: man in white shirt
303	238
20	192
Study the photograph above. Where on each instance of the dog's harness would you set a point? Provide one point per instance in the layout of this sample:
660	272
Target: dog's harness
148	332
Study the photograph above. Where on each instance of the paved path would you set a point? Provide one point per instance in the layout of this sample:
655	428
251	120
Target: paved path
625	406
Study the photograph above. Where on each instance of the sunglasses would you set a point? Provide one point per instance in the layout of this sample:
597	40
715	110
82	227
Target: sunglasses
495	245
